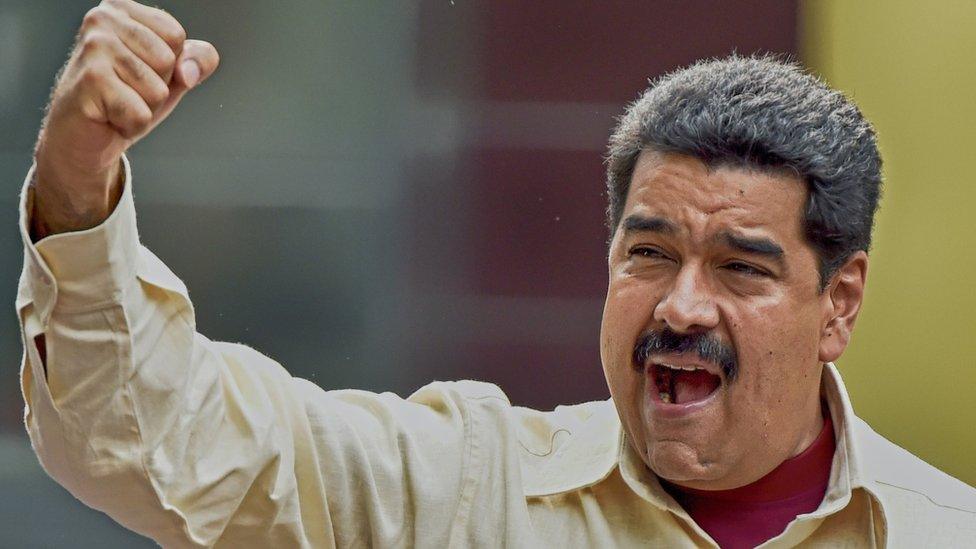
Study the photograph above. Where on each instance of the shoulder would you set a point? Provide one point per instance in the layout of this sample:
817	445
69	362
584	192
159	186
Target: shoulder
483	407
463	390
916	497
554	451
568	448
542	433
537	431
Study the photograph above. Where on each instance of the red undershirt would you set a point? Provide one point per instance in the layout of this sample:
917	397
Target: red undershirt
752	514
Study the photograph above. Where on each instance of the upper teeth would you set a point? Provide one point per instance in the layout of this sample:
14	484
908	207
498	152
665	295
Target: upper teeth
688	368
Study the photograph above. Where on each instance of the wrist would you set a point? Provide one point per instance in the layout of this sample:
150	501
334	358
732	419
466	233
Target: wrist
75	201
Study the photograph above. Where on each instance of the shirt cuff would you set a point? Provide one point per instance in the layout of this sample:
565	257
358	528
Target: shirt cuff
81	270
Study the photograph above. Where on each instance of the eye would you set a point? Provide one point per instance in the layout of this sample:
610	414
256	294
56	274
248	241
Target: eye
744	268
647	251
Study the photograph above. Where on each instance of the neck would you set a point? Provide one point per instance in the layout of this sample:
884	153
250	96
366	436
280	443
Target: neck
817	454
811	428
810	434
749	515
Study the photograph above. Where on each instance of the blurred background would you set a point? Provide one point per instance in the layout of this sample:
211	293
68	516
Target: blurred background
382	194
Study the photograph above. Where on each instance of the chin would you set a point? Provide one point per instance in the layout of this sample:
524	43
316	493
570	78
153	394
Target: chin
679	462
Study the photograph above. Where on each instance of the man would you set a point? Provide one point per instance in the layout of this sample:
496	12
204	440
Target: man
742	195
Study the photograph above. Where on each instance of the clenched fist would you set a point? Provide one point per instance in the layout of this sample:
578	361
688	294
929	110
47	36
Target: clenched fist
129	68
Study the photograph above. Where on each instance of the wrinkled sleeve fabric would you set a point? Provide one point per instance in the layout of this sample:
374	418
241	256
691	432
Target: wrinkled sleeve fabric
197	443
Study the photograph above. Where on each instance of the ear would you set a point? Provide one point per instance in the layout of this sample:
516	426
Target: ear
841	303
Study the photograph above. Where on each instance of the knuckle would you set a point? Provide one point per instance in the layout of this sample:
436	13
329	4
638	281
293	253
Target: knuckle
94	40
94	17
144	41
173	40
175	31
118	111
156	95
179	34
162	61
167	58
129	117
140	118
129	66
127	29
171	30
92	77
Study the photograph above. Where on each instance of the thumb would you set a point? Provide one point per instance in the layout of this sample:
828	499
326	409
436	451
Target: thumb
195	64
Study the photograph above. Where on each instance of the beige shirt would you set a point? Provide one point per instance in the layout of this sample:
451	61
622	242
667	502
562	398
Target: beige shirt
199	443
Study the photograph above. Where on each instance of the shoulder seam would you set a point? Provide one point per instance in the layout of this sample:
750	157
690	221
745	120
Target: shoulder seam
937	504
552	442
485	397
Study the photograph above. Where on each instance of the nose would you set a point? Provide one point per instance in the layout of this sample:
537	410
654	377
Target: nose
688	306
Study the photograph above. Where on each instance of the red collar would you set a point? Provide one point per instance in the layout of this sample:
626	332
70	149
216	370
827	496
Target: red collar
752	514
795	476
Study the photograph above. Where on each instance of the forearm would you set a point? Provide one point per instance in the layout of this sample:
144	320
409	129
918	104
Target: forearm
60	206
135	413
193	442
185	440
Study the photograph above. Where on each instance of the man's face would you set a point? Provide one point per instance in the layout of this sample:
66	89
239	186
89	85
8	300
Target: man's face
714	260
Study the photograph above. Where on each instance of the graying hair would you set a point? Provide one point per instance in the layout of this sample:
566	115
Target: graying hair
761	112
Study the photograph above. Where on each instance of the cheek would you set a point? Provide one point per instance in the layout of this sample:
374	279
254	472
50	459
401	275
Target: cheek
778	349
626	314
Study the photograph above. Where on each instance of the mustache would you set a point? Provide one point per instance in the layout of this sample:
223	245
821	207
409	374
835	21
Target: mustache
705	346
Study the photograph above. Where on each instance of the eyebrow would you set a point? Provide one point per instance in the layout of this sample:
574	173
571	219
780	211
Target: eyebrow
756	246
654	224
760	246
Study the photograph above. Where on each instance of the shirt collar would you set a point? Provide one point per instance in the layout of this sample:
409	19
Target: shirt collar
875	464
844	474
596	446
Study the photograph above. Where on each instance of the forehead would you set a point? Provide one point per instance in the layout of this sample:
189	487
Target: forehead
702	199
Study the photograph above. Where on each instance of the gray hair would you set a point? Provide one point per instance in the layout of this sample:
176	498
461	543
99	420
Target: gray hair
761	112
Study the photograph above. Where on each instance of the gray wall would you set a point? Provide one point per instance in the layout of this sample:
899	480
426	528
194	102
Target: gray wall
272	191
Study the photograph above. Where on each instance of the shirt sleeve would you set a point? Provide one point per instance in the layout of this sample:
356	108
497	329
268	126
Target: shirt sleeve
197	443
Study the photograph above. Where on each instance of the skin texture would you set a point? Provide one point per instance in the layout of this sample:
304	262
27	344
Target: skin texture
691	280
130	67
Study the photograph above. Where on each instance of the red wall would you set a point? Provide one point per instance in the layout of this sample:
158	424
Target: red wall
523	221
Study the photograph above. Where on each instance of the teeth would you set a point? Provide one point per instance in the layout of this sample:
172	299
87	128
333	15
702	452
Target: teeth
686	368
665	397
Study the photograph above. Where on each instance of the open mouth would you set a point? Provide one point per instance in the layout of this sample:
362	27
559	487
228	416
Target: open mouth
683	384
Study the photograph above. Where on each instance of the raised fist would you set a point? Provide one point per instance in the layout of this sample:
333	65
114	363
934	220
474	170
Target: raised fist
130	66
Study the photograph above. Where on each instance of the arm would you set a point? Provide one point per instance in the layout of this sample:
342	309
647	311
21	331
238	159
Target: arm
189	441
130	67
194	442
